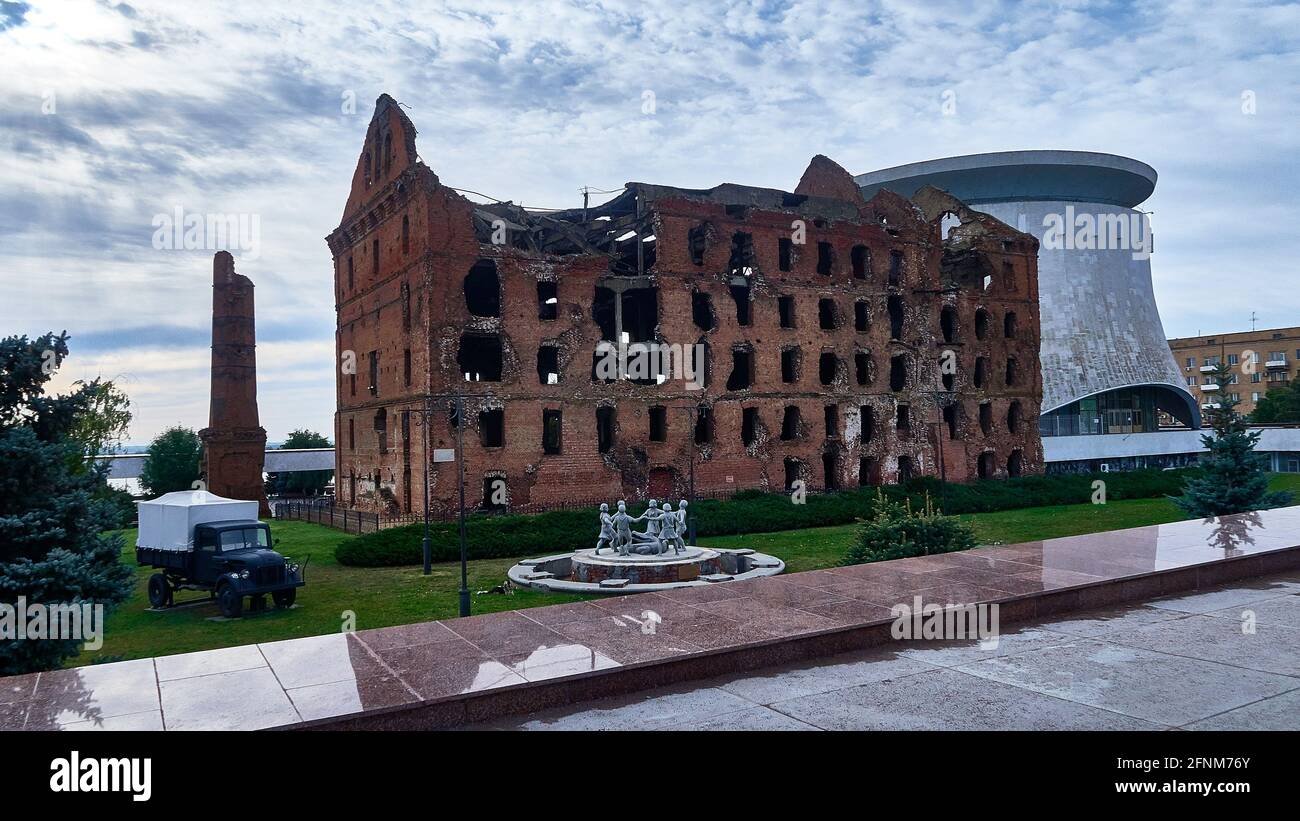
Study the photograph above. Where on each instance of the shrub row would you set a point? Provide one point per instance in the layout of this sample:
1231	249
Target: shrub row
751	511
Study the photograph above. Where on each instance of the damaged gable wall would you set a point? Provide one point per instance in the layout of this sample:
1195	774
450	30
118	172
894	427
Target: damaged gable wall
853	317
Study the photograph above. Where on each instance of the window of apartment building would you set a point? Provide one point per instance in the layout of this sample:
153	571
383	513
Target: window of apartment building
1191	362
1211	361
1255	377
1254	397
1191	381
552	431
1277	356
658	424
1232	359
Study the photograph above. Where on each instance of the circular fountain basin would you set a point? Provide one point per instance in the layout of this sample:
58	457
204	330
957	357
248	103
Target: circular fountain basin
586	571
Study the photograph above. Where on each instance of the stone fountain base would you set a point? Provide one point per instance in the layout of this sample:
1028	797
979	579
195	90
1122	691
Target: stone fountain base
585	571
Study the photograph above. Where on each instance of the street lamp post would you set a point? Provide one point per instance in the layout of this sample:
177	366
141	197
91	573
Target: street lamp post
460	471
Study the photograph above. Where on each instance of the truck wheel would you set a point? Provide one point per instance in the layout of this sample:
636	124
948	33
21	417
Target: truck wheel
160	592
284	598
230	602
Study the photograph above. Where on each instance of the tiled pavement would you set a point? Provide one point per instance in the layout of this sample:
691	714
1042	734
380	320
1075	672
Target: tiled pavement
452	673
1178	662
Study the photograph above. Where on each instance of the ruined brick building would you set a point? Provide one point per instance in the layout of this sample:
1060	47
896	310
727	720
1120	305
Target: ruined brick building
826	322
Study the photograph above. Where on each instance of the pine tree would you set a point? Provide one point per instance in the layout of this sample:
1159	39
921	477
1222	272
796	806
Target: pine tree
1231	479
55	544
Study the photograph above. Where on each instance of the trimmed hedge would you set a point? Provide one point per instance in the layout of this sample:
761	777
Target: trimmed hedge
750	511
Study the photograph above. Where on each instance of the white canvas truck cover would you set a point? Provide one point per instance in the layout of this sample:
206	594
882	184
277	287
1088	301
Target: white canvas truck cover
167	523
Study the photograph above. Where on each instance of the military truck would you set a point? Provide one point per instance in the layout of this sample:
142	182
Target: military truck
200	541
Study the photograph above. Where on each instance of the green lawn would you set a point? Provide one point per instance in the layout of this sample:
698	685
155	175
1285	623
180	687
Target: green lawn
381	597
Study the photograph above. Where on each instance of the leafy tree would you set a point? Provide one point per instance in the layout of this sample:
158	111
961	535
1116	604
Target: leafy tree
309	482
1279	406
173	463
1231	479
896	531
55	547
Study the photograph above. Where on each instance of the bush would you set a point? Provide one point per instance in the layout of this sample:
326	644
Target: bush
750	511
895	531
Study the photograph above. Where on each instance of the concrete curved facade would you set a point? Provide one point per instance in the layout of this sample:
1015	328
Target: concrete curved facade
1103	345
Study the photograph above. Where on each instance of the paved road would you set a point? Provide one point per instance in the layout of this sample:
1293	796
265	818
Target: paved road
1190	661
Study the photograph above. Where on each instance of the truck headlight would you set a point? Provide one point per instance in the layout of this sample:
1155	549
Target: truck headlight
293	568
243	574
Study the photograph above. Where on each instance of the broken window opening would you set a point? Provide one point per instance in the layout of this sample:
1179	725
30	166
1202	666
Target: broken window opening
981	323
552	431
702	310
381	429
948	323
985	467
406	367
826	314
453	418
827	366
749	426
785	253
830	470
861	316
626	317
374	373
483	289
740	293
785	306
352	283
903	419
548	301
825	258
742	369
1013	417
492	428
860	257
479	357
949	381
1008	275
790	423
868	471
950	418
895	306
793	469
904	469
986	418
862	368
1013	372
741	263
1015	463
352	434
1009	325
897	372
832	419
548	365
604	429
895	268
703	425
868	423
374	257
697	241
658	424
981	371
790	365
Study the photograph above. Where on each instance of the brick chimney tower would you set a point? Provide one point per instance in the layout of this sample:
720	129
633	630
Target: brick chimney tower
234	442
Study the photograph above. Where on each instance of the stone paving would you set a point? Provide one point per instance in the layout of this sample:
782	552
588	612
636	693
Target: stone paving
1180	662
461	671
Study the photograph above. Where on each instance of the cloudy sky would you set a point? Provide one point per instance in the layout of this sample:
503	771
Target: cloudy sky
112	114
